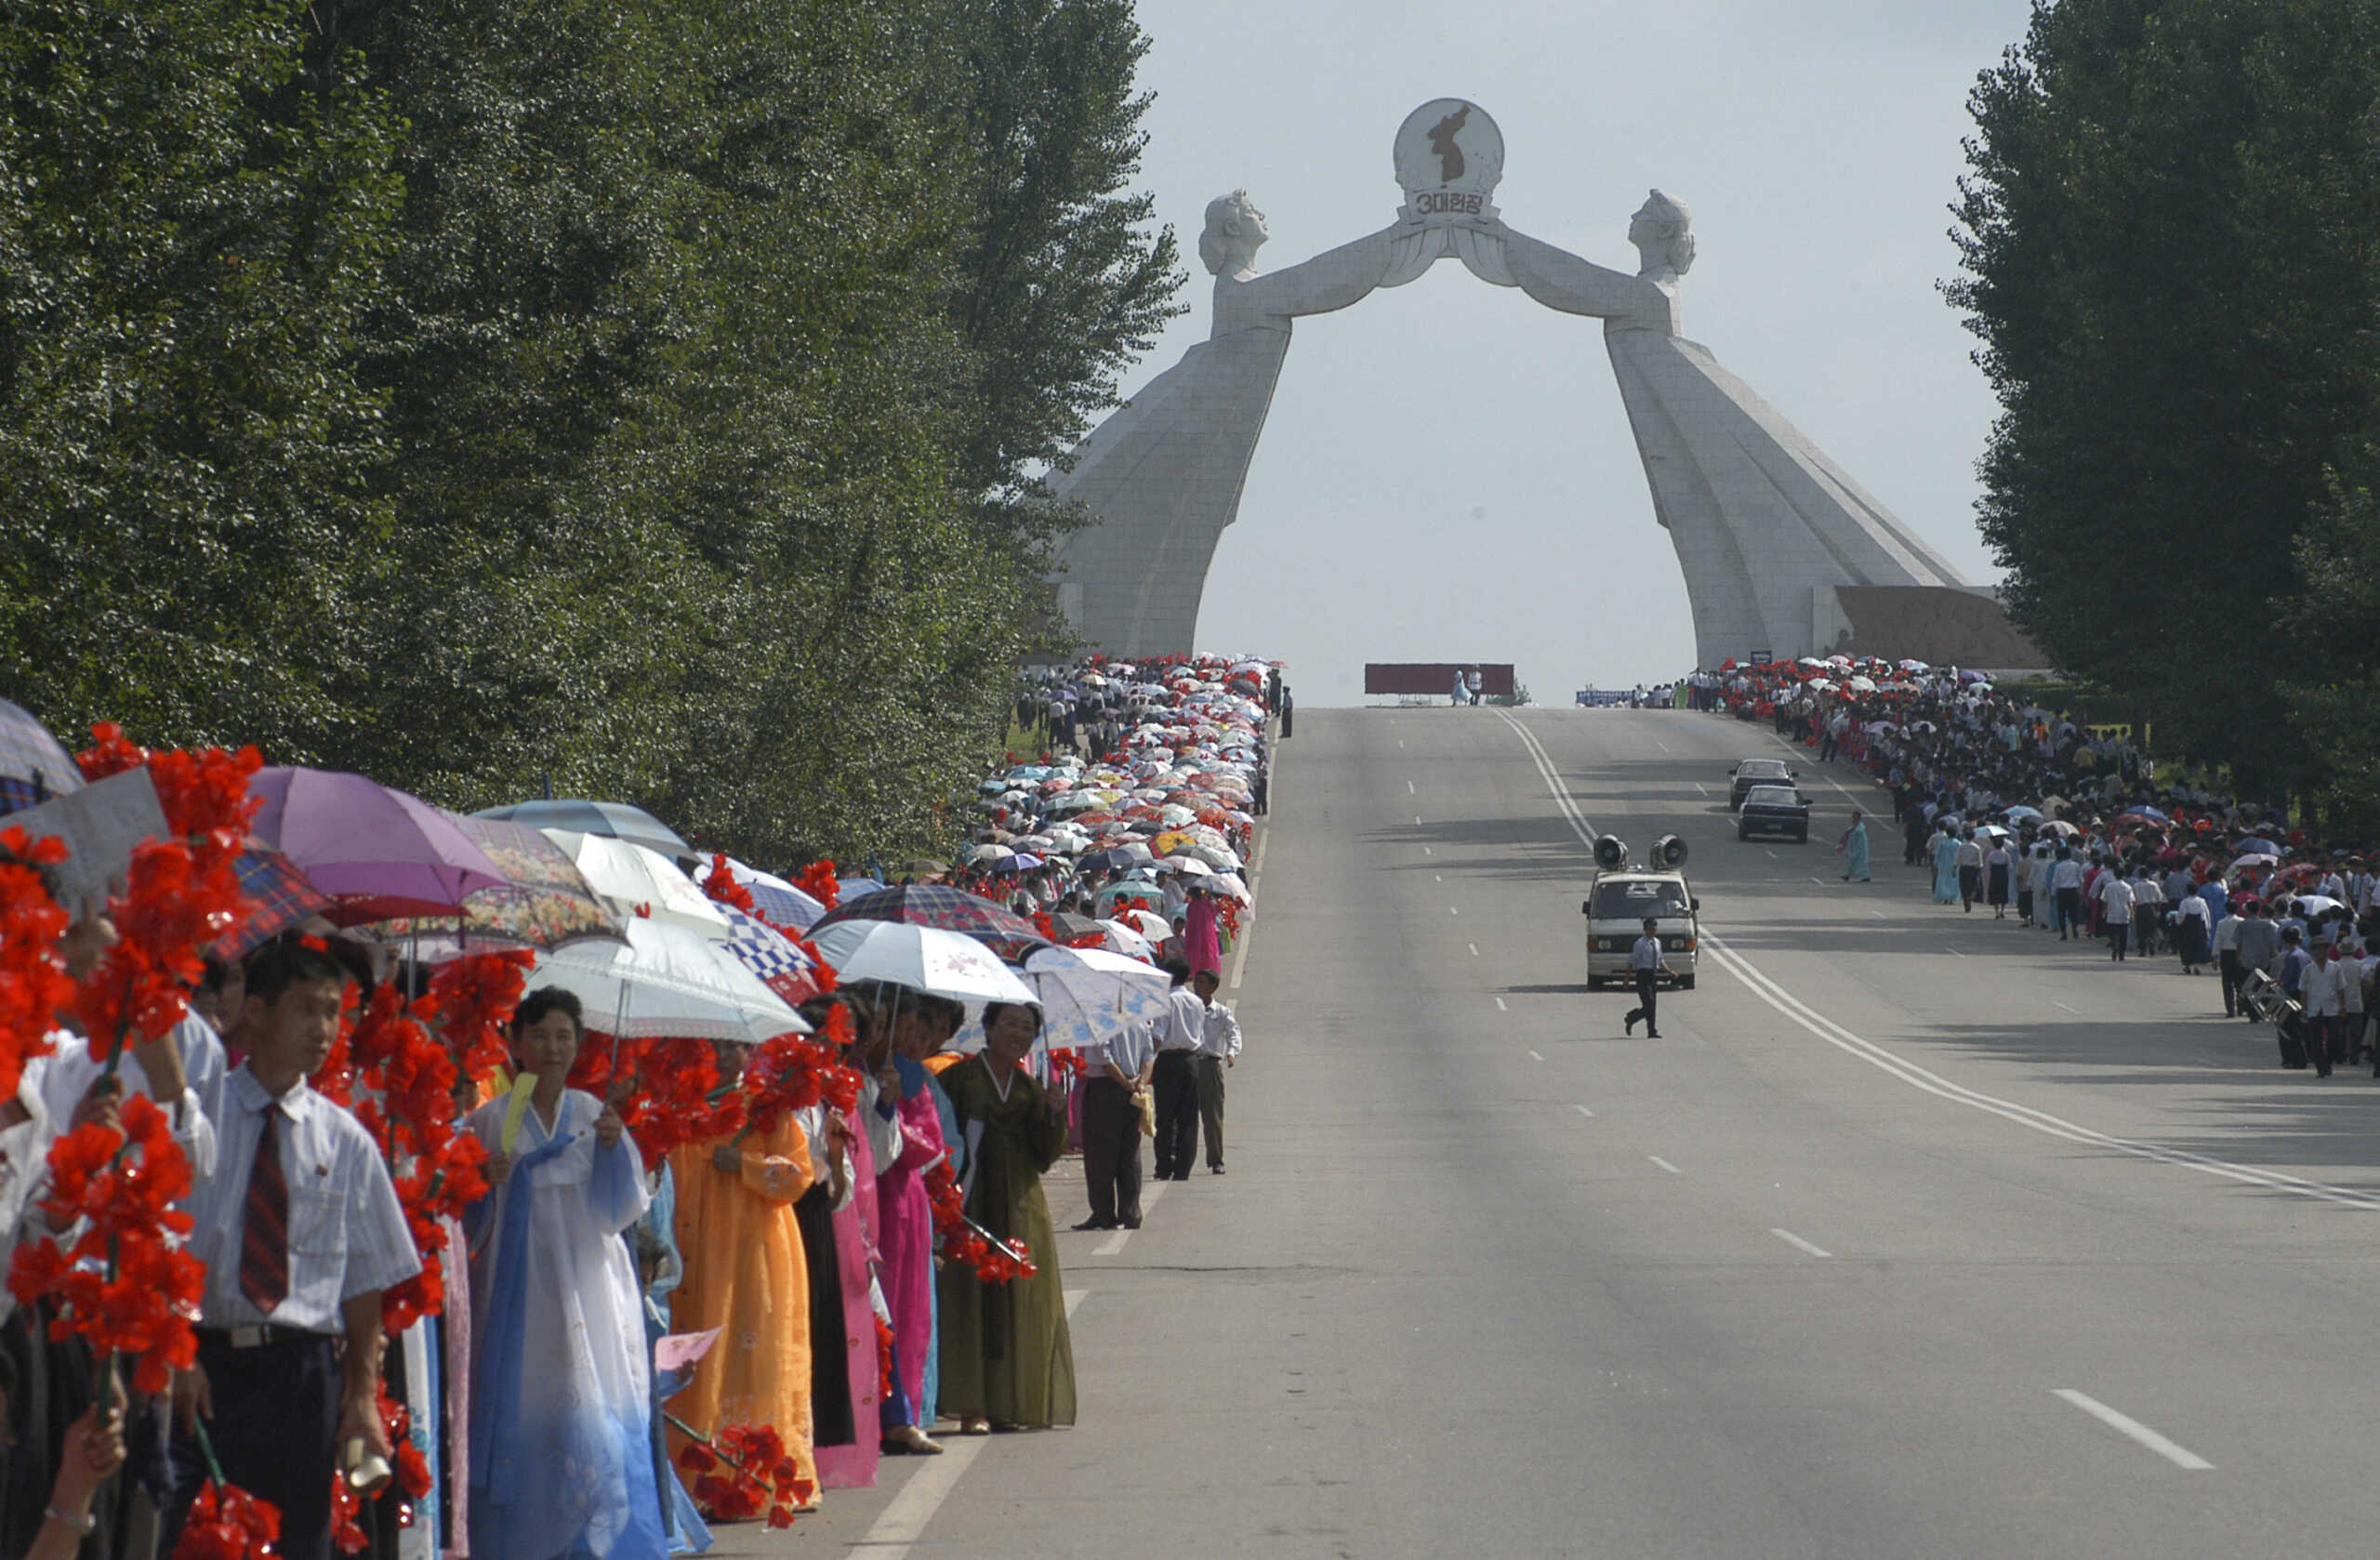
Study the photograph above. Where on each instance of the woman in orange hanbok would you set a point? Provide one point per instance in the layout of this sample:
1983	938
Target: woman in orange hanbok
746	1275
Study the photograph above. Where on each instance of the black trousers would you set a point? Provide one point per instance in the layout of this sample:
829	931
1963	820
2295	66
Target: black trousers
276	1417
2226	964
1648	989
2119	933
2069	913
1211	1104
1177	1114
1111	1151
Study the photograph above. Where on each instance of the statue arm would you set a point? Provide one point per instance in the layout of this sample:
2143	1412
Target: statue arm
1560	280
1332	280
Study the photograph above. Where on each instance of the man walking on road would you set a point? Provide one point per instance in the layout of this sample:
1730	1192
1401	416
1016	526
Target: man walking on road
1218	1049
1179	1035
1644	964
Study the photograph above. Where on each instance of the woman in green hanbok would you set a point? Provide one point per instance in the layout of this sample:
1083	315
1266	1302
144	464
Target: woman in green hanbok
1007	1360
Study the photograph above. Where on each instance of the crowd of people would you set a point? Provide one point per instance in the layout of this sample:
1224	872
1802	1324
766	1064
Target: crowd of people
684	1280
2055	826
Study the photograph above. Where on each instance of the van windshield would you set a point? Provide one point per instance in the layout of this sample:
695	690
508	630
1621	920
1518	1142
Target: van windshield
1634	899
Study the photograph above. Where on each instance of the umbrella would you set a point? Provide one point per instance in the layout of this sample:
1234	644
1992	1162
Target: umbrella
1149	924
2313	903
640	881
34	766
2258	847
2254	858
1229	885
1127	940
923	958
278	894
783	966
1089	996
2020	813
377	852
616	819
779	900
545	901
1861	684
665	981
945	909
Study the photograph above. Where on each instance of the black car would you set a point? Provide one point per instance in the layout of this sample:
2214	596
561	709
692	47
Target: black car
1757	772
1775	809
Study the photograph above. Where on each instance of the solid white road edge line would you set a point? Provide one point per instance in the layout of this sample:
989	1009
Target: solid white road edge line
1114	1244
1934	1083
1789	1238
2171	1451
1659	1160
903	1522
1074	1302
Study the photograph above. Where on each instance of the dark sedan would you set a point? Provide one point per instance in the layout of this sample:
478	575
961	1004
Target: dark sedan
1756	771
1774	810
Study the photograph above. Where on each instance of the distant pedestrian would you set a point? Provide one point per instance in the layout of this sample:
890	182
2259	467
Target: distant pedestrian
1853	848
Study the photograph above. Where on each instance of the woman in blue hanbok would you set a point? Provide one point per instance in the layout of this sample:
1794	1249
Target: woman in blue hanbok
1853	847
561	1455
1946	867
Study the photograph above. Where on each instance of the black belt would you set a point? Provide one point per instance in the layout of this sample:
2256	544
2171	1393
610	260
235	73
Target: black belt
260	1335
1180	1053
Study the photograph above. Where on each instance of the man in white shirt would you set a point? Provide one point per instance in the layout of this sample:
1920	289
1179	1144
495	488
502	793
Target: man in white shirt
1180	1033
302	1231
1218	1049
2322	989
1115	1079
2115	912
1645	967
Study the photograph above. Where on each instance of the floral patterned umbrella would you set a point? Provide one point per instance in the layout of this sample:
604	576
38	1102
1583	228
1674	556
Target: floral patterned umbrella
947	909
545	902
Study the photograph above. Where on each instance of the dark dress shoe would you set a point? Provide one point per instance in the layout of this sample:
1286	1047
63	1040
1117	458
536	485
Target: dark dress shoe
1217	1169
1094	1224
1132	1224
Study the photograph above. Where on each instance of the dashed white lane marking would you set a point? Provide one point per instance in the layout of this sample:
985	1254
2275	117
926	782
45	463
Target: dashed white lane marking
1425	850
1660	744
902	1523
2171	1451
1400	742
1114	1243
1410	790
1452	910
1820	882
1953	952
1703	788
1474	947
1500	1006
1789	1238
1535	1057
1585	1111
1437	877
1880	914
1770	854
1659	1160
2076	1011
1919	1078
1417	820
1074	1301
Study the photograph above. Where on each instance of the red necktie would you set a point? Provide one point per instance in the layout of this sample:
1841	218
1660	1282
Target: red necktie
264	1249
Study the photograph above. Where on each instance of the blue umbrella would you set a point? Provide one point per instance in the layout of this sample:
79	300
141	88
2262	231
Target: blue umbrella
2020	812
616	820
2253	847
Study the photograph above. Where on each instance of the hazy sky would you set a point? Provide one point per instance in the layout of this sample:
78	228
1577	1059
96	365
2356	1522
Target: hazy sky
1447	472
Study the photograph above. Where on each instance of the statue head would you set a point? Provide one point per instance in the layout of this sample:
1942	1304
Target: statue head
1235	229
1663	232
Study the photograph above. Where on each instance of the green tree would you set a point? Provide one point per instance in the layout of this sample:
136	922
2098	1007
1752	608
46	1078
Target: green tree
2168	238
1061	285
192	224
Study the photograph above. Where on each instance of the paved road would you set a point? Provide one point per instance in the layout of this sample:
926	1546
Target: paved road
1915	1235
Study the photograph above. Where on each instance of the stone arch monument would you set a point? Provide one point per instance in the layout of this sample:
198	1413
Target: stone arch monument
1767	528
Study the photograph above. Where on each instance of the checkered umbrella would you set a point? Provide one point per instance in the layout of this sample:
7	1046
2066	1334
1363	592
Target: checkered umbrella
278	893
34	766
947	909
781	965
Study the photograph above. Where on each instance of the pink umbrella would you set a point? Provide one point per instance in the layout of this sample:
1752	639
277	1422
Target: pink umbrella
377	852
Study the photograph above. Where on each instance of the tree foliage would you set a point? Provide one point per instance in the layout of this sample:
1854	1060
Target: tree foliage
629	400
2171	242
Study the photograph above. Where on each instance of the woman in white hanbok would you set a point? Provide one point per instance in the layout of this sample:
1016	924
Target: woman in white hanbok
561	1455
